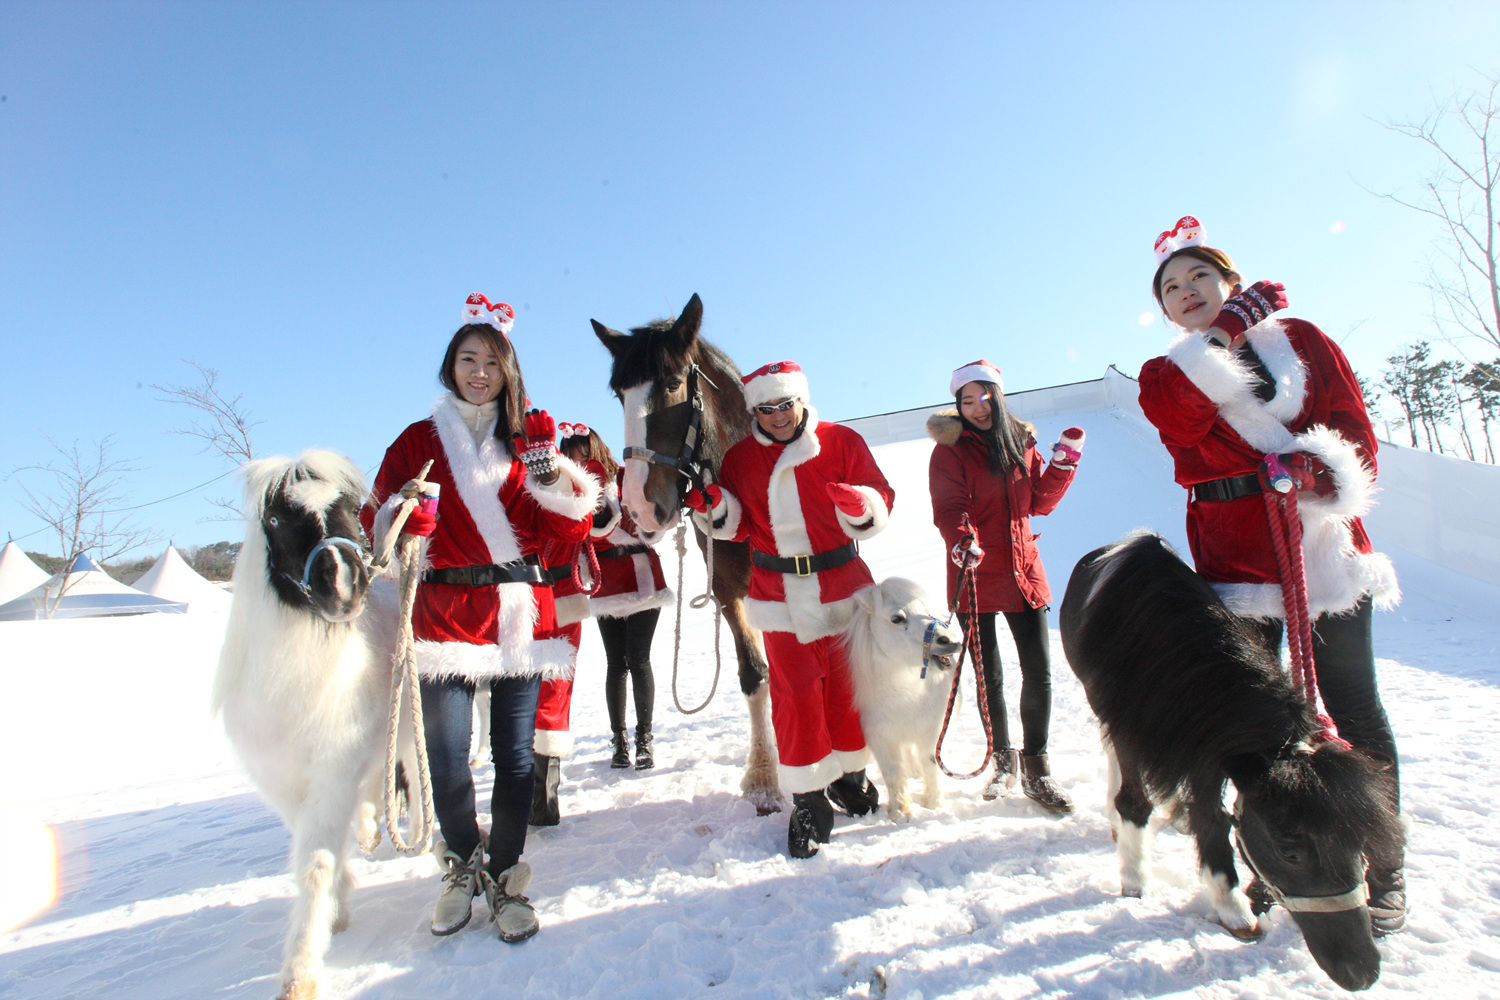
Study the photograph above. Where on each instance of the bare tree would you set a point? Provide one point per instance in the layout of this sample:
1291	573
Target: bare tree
84	506
1464	134
223	423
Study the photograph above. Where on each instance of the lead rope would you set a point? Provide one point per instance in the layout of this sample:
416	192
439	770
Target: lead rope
404	677
697	602
971	638
1286	534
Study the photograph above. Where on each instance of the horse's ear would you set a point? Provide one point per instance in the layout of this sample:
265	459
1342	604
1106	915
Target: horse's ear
679	339
613	340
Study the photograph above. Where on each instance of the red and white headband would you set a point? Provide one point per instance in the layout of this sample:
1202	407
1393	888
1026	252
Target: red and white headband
565	431
478	309
1187	233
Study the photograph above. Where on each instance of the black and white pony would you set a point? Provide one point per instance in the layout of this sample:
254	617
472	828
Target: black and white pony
684	408
304	683
1188	700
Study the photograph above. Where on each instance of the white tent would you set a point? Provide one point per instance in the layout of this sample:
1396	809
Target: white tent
18	574
84	591
173	579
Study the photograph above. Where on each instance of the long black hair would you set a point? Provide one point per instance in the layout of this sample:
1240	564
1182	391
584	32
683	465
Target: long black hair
510	420
1005	442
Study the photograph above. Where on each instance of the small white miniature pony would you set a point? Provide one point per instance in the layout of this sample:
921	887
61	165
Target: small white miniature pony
304	683
900	657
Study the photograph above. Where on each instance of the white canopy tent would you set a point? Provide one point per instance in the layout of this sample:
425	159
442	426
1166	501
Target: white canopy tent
84	591
18	574
172	579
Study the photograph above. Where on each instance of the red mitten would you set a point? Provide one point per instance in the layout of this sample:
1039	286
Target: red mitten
966	552
1245	309
697	501
537	447
1068	449
849	500
419	522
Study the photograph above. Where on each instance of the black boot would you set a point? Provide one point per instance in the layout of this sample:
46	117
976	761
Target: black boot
619	749
544	809
1387	900
854	793
1037	784
811	823
644	759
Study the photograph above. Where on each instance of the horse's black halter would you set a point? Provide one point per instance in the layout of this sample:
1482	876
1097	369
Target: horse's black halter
687	461
1353	899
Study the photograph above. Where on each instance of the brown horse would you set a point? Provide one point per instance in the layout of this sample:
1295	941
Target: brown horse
684	408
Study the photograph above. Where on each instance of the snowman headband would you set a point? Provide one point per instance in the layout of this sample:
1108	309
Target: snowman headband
1187	233
478	309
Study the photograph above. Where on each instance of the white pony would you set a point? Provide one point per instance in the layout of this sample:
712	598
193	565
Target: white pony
304	683
900	699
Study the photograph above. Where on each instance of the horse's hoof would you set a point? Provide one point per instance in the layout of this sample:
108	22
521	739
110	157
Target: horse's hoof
340	923
1132	891
298	989
766	801
1252	933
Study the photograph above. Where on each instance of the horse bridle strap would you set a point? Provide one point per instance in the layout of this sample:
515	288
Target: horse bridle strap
1338	903
686	461
304	584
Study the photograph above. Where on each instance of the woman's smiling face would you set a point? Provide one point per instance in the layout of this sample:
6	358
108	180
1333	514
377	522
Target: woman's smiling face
1192	292
476	371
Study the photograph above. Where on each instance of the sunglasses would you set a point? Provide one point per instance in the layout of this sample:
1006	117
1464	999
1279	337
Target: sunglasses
770	408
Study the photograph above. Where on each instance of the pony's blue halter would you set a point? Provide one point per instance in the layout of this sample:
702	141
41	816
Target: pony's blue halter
927	636
302	584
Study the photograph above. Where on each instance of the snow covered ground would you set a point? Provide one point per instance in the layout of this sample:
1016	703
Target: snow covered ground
171	878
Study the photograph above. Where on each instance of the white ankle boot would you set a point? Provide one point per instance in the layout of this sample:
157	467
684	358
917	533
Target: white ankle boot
460	886
515	919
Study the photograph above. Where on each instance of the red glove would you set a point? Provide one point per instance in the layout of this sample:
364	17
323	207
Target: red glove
419	522
849	500
966	552
1245	309
698	502
537	446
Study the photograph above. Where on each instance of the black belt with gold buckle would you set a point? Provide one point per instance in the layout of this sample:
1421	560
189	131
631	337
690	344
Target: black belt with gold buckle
805	565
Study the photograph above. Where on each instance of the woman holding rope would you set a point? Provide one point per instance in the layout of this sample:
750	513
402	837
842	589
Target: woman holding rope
632	591
803	492
484	606
1248	404
987	474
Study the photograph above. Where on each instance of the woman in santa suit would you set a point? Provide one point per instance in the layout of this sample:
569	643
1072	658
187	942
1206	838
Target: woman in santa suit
632	591
803	492
1235	387
483	611
986	467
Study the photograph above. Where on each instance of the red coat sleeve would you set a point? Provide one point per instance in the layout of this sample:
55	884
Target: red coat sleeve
1048	482
951	495
1177	408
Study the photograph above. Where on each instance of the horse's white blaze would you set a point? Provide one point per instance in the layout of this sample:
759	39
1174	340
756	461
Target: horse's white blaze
636	401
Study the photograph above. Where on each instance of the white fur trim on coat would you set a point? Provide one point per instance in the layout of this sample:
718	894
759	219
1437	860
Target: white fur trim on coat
726	515
625	605
872	522
549	659
571	609
573	494
1337	575
554	743
611	504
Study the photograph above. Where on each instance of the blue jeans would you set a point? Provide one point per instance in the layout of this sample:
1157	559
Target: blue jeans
447	722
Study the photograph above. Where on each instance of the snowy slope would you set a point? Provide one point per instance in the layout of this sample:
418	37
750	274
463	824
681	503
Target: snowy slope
666	884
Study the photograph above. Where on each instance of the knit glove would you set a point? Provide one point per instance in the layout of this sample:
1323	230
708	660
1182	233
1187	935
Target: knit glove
1245	309
537	446
697	501
849	500
966	552
1068	449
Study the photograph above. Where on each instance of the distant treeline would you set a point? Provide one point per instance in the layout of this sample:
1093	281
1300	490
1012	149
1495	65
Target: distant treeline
212	562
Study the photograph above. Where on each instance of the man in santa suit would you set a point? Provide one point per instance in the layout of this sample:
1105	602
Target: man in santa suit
802	493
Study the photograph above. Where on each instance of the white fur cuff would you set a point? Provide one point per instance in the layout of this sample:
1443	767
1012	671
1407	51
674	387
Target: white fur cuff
872	521
811	777
574	494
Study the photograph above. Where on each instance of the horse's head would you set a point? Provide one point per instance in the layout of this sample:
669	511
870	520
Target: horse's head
901	628
306	516
657	370
1306	824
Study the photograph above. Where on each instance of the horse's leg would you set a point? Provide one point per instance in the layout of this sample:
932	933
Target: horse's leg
731	583
1210	827
1112	788
318	846
1134	843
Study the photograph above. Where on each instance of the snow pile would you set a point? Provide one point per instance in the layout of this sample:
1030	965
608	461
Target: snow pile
666	883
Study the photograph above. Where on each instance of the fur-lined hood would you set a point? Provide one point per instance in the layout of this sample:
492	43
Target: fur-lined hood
945	427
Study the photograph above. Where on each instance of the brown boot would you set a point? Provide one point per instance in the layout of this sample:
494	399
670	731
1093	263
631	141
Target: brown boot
1037	784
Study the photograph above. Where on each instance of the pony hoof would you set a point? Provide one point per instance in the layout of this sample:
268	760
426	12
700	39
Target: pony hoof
298	989
765	801
1252	933
1132	891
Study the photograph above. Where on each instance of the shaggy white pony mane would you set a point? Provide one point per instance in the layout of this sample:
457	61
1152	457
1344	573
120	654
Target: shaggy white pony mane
313	481
858	637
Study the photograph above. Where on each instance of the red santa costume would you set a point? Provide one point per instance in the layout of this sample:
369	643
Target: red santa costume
776	496
1201	400
554	707
630	573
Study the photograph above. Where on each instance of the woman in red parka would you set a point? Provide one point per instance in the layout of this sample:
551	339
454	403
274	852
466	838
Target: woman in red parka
1235	386
632	591
986	466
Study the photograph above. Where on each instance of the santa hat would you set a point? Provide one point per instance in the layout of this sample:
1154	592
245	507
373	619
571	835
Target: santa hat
1187	233
478	309
974	371
778	380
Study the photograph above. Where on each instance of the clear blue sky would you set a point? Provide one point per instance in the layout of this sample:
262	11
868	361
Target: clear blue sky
301	195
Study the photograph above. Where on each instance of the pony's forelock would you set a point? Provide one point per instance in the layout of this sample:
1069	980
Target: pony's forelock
1328	792
314	481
